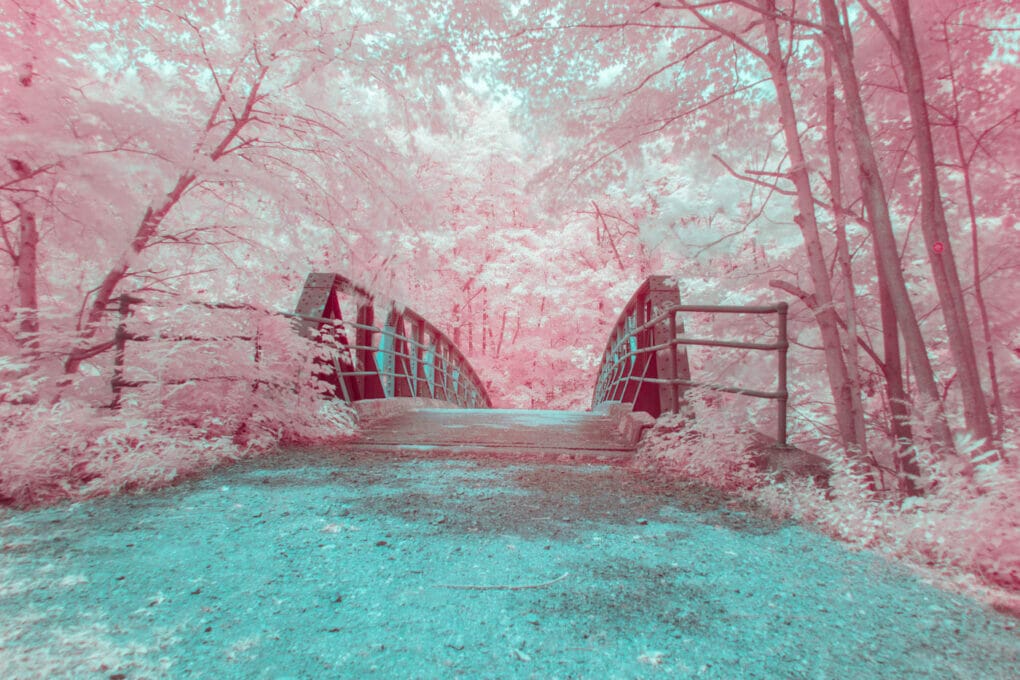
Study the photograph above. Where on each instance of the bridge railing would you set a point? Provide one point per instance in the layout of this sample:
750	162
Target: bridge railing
645	362
406	357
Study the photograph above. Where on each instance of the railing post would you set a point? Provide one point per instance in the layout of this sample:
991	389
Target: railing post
369	386
674	395
784	345
418	352
669	363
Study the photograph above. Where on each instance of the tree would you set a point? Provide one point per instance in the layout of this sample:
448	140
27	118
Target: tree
933	221
269	110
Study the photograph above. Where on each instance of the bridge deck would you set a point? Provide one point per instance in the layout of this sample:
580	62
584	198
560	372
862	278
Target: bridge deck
513	434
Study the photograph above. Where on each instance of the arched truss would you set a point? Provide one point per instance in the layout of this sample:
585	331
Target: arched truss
405	357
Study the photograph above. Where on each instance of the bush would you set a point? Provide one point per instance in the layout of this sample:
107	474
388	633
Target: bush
200	405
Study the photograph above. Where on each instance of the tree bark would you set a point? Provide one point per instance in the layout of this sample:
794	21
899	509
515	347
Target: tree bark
936	231
843	259
28	266
806	220
886	248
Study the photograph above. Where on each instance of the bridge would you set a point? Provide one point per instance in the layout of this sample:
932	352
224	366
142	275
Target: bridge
416	392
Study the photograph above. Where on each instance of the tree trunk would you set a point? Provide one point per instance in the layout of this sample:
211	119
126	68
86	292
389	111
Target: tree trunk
806	220
907	469
28	266
979	296
886	248
936	231
146	230
843	258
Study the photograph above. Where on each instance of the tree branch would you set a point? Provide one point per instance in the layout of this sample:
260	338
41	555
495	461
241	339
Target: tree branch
811	303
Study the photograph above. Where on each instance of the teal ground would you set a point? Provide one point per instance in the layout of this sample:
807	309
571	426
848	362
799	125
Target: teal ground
320	566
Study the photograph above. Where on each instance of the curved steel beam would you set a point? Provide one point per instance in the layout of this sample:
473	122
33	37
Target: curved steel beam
406	357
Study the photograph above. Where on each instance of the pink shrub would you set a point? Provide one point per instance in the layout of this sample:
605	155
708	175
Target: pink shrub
59	438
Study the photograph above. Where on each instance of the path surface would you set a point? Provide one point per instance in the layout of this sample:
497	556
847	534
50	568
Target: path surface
317	565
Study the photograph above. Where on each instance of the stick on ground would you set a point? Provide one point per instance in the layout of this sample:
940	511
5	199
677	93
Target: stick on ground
504	587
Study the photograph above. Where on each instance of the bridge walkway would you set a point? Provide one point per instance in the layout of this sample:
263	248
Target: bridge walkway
505	433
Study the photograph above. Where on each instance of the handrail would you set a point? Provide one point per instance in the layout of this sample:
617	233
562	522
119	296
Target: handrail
642	365
406	357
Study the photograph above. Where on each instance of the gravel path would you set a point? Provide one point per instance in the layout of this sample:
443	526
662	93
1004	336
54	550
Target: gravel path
317	565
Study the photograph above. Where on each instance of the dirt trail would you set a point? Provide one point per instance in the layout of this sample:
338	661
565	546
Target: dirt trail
318	565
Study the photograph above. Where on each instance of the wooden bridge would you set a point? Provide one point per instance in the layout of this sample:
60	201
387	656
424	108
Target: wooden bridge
416	392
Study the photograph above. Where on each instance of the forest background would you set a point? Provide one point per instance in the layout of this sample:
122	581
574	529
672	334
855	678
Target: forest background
513	170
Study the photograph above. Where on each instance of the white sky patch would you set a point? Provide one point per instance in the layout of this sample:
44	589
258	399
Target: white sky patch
608	76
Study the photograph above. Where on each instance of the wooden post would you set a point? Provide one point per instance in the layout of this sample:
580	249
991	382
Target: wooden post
120	339
670	363
784	345
674	392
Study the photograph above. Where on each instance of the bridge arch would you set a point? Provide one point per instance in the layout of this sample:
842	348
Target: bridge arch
405	357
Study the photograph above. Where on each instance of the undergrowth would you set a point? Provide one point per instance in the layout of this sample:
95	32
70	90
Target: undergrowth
964	531
198	405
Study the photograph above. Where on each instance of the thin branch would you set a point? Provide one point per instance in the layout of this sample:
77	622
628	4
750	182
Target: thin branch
675	62
609	237
811	303
755	180
505	587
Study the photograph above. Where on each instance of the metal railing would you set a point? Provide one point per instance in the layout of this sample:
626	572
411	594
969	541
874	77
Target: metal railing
645	363
406	357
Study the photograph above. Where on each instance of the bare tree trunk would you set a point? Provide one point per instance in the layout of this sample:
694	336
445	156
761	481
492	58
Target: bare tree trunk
806	220
843	259
28	266
886	248
899	402
936	231
979	296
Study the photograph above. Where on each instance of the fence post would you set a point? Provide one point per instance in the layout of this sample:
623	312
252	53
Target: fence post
119	342
783	344
674	396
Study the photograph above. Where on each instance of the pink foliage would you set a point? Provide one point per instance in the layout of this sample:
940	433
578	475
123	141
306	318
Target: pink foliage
512	171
